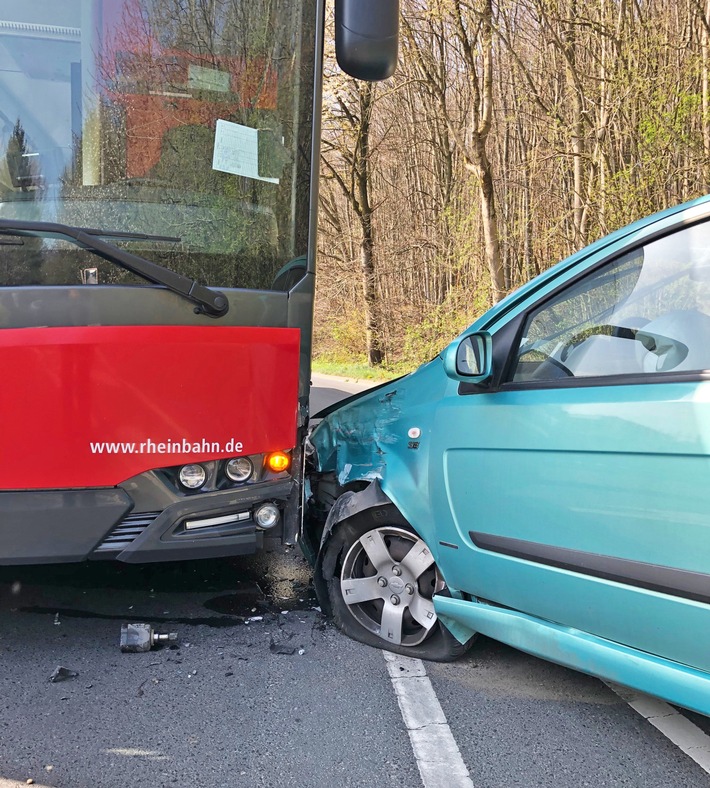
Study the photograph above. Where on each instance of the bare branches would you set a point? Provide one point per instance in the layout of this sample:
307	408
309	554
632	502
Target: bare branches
513	133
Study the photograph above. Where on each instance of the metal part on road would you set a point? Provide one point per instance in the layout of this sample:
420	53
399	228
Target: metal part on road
138	637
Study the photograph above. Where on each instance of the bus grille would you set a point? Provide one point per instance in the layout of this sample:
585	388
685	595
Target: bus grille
129	529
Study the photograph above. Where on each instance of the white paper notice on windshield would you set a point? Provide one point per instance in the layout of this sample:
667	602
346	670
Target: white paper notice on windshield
236	150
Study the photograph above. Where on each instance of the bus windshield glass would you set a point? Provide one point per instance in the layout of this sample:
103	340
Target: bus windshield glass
180	128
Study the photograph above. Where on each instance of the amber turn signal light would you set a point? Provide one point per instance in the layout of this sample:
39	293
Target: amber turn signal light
278	461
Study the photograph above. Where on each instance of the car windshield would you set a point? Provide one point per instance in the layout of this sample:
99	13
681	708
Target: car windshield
184	126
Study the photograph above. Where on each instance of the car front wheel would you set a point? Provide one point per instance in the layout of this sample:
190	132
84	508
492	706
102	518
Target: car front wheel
381	582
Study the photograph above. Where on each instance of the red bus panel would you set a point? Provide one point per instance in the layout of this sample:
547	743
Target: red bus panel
91	406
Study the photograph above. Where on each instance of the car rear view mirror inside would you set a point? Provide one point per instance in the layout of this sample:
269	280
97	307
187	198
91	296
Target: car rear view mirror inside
469	359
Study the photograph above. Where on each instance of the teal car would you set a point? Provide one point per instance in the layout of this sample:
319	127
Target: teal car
545	481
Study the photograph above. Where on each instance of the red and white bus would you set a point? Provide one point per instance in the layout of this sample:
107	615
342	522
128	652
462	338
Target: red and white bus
158	171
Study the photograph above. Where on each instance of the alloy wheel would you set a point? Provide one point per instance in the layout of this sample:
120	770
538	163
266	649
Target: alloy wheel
388	580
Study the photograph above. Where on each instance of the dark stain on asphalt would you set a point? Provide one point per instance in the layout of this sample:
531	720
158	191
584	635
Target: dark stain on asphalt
213	621
236	589
292	595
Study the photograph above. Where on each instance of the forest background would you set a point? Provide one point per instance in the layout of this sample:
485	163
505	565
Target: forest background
513	133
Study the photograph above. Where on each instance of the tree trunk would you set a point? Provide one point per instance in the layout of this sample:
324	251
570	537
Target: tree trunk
489	220
577	129
363	178
375	355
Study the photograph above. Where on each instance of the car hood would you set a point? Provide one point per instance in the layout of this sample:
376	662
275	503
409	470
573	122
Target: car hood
382	432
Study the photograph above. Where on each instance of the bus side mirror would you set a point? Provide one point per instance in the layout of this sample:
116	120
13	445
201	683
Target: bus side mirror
367	38
470	360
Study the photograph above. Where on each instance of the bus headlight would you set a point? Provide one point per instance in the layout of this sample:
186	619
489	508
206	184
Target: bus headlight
192	476
239	469
266	516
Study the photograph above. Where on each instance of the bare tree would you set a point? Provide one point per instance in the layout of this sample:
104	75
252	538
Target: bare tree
347	160
512	134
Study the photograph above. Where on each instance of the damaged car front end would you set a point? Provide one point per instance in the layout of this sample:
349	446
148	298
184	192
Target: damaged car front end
375	574
544	480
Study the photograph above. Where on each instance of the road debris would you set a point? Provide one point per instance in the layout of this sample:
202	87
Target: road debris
280	647
141	692
57	622
136	638
62	674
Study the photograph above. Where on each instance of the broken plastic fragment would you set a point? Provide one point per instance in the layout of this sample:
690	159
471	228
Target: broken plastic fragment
281	648
62	674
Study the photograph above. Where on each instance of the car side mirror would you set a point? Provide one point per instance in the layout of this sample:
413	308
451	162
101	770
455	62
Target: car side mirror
470	360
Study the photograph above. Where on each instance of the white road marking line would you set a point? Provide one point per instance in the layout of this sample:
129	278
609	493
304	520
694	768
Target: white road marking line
694	742
435	749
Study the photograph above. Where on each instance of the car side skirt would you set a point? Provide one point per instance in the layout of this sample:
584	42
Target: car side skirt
572	648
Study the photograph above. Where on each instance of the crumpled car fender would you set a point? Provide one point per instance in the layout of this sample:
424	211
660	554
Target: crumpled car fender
370	503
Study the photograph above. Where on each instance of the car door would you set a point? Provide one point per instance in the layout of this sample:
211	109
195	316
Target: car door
576	488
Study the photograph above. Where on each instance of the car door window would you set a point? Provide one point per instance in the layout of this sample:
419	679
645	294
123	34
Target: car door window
645	312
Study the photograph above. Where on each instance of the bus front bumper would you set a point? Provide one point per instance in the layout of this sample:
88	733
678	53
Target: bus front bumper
65	526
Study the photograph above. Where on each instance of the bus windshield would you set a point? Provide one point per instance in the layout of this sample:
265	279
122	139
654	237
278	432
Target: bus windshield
183	128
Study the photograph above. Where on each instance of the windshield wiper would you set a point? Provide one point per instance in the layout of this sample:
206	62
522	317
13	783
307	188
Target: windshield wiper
211	302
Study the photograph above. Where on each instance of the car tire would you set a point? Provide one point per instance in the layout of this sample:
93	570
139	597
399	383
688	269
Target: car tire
386	603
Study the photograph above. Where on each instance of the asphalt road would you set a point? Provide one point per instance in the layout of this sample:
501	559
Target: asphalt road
327	390
261	690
